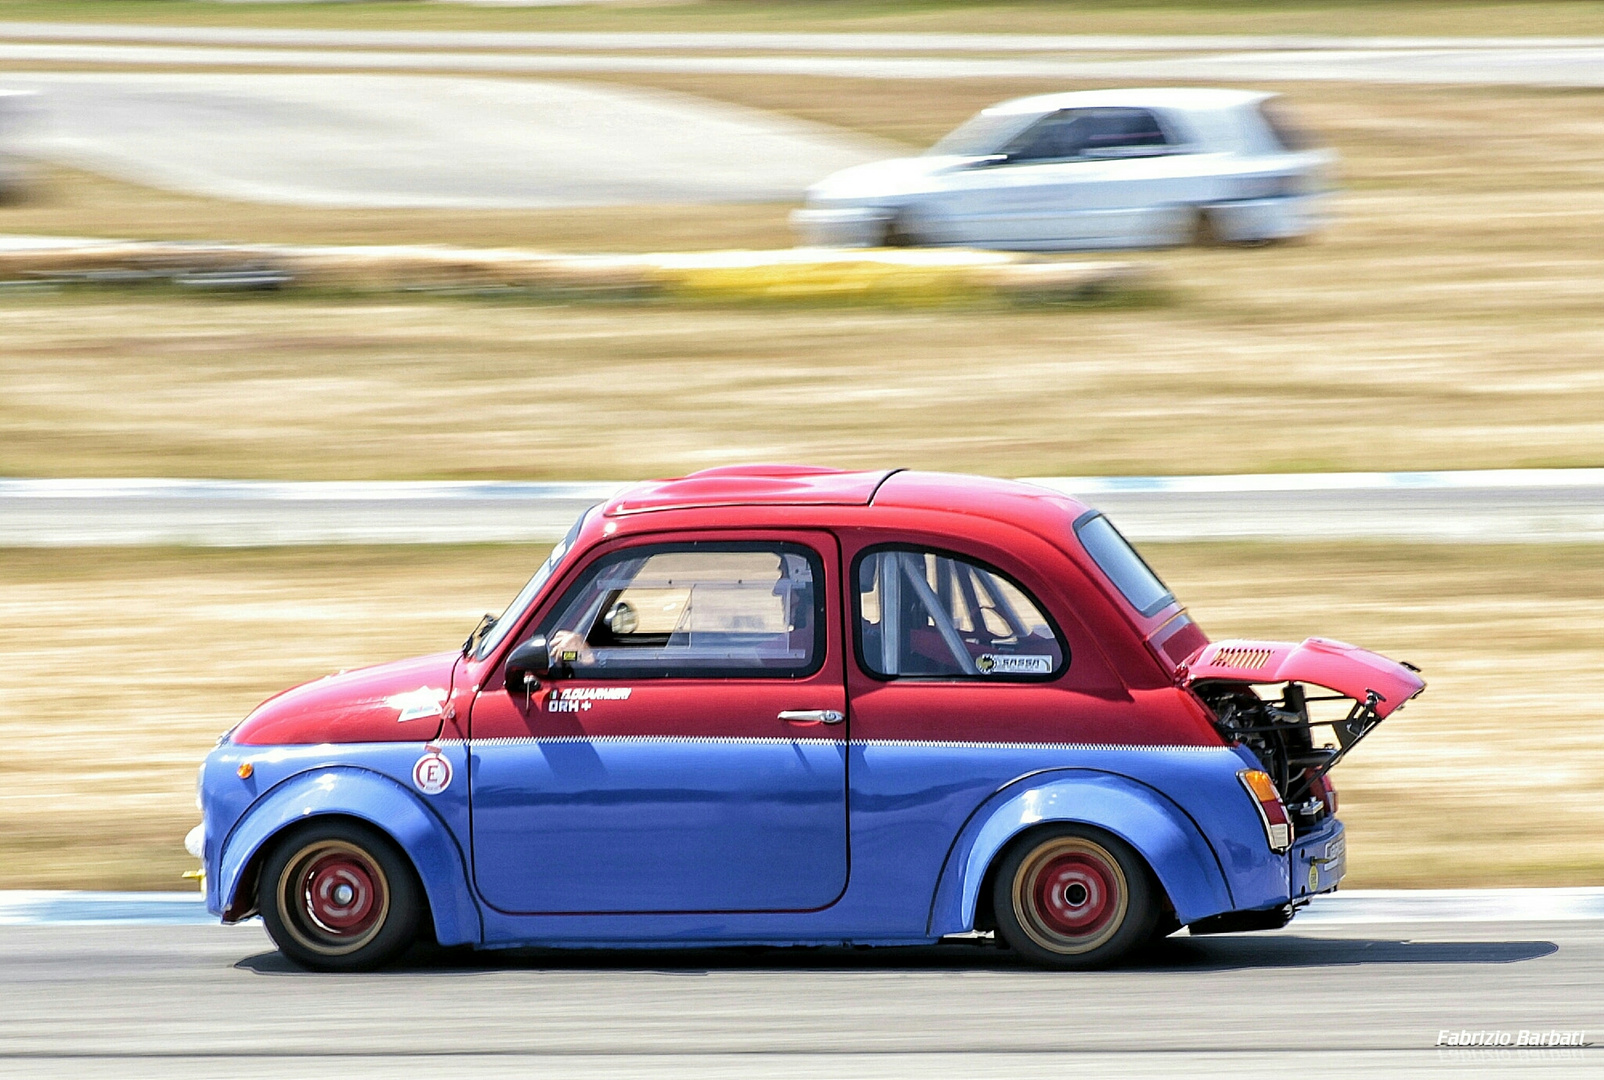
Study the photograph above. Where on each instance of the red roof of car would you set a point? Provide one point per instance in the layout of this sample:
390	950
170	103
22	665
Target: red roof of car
807	485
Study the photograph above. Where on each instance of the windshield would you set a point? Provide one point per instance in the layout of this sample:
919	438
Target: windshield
1115	557
984	133
509	618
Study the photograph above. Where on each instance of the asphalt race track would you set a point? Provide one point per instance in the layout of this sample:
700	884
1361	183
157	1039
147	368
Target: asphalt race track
1365	999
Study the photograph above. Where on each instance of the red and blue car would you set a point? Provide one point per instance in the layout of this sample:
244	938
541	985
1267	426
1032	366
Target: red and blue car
786	705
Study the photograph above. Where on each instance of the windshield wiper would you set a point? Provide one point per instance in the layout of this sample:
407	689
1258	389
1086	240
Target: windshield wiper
486	621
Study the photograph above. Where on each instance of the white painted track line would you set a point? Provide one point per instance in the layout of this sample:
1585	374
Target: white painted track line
1347	908
1483	506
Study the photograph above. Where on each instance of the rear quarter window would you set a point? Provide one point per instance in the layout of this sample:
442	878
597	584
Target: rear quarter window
1119	561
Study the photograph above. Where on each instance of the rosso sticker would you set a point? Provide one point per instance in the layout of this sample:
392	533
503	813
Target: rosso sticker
997	664
432	774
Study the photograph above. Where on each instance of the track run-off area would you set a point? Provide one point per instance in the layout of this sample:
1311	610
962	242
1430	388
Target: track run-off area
1363	983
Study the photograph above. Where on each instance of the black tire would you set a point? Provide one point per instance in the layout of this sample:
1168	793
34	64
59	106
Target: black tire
1204	232
900	233
1074	898
337	895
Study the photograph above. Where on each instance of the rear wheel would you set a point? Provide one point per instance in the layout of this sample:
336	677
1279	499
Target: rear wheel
1074	898
338	896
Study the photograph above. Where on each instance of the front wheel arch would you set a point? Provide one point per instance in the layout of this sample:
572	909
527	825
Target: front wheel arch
396	913
362	794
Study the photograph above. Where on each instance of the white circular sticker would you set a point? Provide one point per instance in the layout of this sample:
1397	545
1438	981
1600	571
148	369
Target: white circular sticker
432	774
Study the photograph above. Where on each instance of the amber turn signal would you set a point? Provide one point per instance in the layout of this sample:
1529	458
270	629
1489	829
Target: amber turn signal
246	768
1272	815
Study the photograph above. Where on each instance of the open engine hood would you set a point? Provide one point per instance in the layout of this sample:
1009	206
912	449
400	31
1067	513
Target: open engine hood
1333	665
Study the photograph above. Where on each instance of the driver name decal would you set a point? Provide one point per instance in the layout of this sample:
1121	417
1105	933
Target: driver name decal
579	698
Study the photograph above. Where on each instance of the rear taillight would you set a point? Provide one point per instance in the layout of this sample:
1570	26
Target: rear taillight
1277	826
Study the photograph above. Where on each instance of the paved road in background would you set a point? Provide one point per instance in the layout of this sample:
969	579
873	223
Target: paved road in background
1325	1000
1495	506
364	140
1575	62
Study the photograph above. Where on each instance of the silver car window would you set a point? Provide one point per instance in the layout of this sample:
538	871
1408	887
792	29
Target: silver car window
1078	133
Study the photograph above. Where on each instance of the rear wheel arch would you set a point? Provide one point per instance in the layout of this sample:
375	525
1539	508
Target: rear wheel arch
1074	896
1190	879
985	909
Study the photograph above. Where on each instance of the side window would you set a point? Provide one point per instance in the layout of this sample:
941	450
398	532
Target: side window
1074	133
927	613
1122	132
694	610
1057	135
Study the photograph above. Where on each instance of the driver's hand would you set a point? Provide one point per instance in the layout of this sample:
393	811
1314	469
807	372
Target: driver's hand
569	647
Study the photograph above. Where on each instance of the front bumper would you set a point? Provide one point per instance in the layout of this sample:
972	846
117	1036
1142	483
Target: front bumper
846	226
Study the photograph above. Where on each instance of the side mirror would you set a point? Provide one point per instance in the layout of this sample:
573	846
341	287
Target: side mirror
528	664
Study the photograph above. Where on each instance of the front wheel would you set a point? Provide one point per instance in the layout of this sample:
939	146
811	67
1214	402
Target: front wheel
1074	898
338	896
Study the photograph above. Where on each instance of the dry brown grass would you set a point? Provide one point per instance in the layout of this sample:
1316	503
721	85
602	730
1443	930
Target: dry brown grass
118	669
1411	17
1448	318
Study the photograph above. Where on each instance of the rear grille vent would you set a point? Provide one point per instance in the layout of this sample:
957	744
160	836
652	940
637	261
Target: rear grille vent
1246	659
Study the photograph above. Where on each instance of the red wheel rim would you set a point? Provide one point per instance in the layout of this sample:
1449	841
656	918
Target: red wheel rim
334	897
340	893
1070	895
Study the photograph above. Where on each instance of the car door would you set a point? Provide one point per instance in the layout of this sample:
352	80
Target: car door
1075	178
957	650
689	755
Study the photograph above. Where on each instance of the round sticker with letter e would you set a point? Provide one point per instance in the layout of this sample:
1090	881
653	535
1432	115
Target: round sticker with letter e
432	774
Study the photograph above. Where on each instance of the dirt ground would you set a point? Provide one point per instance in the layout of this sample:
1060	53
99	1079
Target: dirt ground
120	668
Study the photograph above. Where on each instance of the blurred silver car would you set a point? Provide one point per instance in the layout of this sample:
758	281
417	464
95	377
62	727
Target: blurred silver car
1087	169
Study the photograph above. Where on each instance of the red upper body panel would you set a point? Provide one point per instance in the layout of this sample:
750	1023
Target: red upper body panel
398	702
1121	686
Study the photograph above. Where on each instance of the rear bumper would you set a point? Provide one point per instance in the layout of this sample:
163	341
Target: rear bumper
1318	861
1241	221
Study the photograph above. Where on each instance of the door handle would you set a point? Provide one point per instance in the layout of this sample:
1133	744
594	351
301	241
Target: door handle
812	716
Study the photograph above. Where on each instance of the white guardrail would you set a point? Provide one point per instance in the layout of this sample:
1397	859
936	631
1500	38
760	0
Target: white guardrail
1471	506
